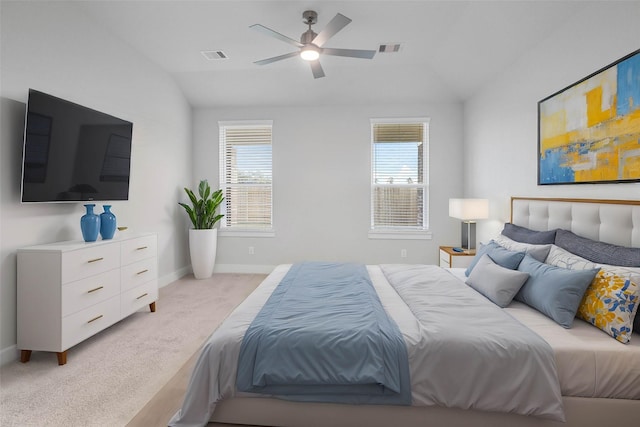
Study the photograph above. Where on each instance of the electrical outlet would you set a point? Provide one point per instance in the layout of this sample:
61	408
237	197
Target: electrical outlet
403	253
251	250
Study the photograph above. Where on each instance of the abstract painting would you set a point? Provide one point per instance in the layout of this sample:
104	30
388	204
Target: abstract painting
589	132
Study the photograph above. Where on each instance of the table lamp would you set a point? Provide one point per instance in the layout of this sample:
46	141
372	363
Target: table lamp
469	210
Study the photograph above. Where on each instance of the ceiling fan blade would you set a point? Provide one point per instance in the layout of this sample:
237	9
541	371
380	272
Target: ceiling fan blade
316	69
336	24
351	53
270	32
276	58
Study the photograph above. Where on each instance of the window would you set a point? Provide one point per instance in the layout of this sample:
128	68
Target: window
246	176
399	178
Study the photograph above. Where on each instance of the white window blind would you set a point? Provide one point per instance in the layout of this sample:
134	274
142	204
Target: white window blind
399	175
246	175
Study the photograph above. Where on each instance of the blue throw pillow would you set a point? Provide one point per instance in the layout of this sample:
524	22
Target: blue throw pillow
525	235
554	291
499	255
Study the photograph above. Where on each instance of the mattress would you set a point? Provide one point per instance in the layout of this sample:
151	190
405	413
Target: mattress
589	362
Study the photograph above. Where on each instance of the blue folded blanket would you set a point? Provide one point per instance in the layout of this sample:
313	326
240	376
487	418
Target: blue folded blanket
324	336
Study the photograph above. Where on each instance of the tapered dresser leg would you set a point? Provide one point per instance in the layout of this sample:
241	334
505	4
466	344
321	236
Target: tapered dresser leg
62	358
152	307
25	356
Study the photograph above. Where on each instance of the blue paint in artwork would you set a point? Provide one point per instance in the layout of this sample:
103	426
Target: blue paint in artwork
551	169
583	148
628	85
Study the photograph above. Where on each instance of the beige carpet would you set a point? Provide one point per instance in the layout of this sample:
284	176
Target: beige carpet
159	410
110	377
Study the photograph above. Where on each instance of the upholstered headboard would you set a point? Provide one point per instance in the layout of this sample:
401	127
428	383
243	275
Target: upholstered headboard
610	221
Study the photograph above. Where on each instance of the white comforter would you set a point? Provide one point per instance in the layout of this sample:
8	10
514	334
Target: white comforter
530	385
590	362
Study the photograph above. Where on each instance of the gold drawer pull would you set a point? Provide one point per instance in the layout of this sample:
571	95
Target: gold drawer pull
141	272
95	260
95	289
141	248
95	318
143	295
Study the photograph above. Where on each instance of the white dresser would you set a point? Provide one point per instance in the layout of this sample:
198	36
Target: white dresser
69	291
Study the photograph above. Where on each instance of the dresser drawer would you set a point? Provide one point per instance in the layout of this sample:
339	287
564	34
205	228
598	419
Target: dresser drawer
138	273
444	259
137	249
134	299
84	293
461	262
89	261
83	324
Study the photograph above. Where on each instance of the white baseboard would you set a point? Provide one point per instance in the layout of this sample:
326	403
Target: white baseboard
8	355
243	268
219	268
172	277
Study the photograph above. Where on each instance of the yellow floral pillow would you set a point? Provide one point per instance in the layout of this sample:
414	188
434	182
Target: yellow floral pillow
610	303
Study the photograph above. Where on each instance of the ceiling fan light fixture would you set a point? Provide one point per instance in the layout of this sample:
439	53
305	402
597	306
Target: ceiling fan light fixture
309	53
310	46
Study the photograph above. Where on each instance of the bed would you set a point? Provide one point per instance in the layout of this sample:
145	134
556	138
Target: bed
597	377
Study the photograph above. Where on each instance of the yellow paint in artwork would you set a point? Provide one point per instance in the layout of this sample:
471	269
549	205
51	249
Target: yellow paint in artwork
613	128
630	148
595	114
555	142
631	169
607	160
606	168
553	124
629	124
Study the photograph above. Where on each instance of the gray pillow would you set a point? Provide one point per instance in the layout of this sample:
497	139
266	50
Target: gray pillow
525	235
539	252
599	252
499	255
497	283
554	291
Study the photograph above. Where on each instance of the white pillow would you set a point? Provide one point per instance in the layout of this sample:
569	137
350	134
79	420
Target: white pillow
562	258
538	252
495	282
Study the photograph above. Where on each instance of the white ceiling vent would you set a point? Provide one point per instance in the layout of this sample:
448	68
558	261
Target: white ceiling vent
213	55
390	48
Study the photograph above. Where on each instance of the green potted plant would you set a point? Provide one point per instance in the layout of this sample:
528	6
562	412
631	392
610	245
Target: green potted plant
203	237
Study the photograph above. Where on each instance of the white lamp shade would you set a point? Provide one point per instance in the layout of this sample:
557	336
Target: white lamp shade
469	209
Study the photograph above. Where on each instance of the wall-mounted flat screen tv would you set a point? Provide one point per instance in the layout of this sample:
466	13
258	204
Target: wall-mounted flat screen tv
72	153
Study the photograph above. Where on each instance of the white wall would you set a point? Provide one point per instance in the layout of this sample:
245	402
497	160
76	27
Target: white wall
500	122
321	177
58	50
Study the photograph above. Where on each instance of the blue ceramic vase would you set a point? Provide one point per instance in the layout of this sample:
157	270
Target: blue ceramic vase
90	224
107	223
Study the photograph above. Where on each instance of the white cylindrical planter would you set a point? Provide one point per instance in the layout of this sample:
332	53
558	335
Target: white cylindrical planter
202	248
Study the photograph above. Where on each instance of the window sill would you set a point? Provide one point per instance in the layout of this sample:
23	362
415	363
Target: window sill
400	235
246	233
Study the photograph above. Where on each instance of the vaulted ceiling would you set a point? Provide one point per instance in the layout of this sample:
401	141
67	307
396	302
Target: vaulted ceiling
450	49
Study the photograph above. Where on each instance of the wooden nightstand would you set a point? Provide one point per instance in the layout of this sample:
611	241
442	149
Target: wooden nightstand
452	259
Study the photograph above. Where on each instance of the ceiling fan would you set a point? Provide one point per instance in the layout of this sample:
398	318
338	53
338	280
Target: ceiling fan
310	44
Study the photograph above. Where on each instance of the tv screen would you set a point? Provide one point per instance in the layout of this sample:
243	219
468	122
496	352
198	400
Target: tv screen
73	153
